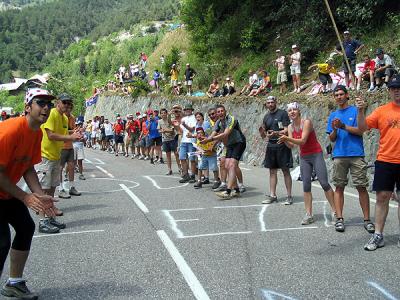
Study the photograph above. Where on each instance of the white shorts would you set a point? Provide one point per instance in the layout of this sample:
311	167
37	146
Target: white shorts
94	135
295	69
48	173
189	82
79	153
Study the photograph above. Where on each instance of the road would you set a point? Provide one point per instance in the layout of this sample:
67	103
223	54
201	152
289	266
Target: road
137	234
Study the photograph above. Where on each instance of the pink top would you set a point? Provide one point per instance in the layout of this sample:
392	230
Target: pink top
311	146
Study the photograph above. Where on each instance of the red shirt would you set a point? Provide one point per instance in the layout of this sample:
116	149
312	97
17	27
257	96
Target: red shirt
118	128
20	149
369	66
311	146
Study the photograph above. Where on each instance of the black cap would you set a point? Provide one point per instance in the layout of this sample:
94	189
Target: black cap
65	97
379	51
394	82
189	107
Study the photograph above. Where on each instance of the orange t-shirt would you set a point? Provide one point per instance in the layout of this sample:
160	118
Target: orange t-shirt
145	130
386	119
20	149
71	126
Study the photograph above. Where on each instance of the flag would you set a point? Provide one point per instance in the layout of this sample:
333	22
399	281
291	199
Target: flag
92	100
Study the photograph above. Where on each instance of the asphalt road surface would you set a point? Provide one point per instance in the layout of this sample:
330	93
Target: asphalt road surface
138	234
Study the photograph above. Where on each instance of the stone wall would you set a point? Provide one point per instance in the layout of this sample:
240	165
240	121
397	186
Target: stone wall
249	112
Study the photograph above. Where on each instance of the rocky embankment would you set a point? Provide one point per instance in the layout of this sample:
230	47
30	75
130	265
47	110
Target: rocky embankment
249	111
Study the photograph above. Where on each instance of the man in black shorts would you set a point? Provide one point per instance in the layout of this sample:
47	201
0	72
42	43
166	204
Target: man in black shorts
17	159
278	156
227	130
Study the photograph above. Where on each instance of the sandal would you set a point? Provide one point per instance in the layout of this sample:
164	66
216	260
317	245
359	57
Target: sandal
369	226
339	225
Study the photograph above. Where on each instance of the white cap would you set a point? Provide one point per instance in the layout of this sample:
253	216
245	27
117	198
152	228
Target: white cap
293	105
294	46
32	93
346	32
188	64
228	78
278	50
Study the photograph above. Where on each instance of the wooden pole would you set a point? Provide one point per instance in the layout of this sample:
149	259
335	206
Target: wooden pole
328	7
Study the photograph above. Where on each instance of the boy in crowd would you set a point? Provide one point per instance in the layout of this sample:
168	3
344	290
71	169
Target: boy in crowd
79	153
367	74
324	74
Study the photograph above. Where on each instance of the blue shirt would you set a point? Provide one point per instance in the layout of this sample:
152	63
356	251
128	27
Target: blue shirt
350	47
152	127
347	144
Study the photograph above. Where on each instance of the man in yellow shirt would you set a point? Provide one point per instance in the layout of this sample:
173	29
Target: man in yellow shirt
324	74
174	75
55	133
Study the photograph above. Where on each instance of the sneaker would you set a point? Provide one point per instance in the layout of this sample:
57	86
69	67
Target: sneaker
224	195
242	189
333	217
156	160
169	173
374	89
307	220
161	161
198	185
63	194
339	225
116	153
192	179
126	155
270	199
152	161
46	227
216	185
371	88
235	194
74	192
288	201
205	181
221	188
375	242
82	177
133	156
146	158
18	290
185	178
369	226
57	224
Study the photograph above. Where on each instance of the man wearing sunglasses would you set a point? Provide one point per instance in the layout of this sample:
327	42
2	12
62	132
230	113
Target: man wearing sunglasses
55	133
20	140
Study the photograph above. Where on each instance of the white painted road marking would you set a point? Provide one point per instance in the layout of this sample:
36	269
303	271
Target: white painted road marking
155	184
135	199
261	218
191	279
373	200
271	295
66	233
105	172
382	290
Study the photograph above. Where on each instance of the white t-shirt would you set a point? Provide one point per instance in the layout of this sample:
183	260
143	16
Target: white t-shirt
108	129
280	63
253	78
386	61
191	122
95	126
296	57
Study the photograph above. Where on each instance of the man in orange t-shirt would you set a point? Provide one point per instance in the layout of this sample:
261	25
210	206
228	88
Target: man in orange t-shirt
20	140
386	119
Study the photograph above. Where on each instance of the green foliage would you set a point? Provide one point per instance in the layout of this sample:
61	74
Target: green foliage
140	88
171	58
29	38
16	102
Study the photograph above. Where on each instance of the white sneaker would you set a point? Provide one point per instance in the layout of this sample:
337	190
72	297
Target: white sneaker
307	220
63	194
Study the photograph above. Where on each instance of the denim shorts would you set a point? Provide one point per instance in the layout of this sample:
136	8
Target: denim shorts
208	163
184	149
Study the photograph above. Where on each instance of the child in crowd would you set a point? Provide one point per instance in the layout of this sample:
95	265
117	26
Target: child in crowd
324	74
79	153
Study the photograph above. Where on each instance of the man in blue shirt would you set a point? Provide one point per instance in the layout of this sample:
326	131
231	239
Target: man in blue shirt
348	155
351	48
155	139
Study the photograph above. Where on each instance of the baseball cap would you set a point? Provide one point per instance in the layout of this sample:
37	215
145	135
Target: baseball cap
293	105
130	116
273	98
188	107
188	64
277	50
200	129
346	32
32	93
294	46
65	97
228	78
144	115
394	82
138	113
379	51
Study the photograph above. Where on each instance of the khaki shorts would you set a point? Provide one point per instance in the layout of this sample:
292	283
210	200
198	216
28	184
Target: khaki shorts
49	173
358	171
295	70
281	77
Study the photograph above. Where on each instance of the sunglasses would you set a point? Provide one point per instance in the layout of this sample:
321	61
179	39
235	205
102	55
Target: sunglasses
43	103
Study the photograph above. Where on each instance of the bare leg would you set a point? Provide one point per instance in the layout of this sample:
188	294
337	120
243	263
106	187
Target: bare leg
169	161
239	174
364	201
339	201
330	196
308	202
273	181
381	210
288	181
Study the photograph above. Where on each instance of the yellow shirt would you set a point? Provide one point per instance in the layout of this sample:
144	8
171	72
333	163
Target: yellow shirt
207	148
326	69
174	74
58	123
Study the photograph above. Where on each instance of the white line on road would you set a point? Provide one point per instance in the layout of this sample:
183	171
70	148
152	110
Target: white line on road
382	290
155	184
259	205
187	220
105	172
66	233
88	161
326	217
373	200
190	277
174	225
100	162
135	199
261	217
186	209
